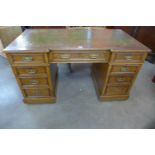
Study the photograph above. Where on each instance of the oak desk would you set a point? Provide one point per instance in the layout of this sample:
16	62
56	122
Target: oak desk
116	60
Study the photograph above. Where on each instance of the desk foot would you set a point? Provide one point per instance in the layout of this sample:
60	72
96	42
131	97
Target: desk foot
39	100
113	98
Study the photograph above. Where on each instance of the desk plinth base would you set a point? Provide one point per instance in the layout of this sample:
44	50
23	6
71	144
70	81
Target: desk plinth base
39	100
113	98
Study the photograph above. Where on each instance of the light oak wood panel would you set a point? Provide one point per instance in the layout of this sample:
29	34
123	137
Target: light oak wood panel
100	73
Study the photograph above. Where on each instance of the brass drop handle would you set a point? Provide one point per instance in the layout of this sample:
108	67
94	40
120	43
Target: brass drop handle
128	57
121	79
31	71
124	69
34	82
65	56
93	56
27	58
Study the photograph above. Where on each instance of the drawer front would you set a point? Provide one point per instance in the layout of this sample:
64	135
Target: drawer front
124	69
30	71
37	92
34	81
117	90
28	58
120	79
129	57
97	56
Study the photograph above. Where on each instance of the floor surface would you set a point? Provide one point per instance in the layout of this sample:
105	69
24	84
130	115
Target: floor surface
77	104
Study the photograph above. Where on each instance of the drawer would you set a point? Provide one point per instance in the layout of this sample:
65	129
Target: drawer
33	81
37	92
30	71
120	79
129	57
117	90
124	69
28	58
91	56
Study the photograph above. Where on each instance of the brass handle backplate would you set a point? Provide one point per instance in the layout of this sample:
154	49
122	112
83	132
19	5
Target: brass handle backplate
65	56
121	79
124	69
128	57
93	56
34	82
31	71
27	58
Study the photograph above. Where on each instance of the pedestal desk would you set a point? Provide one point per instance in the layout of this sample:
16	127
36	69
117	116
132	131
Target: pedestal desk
116	60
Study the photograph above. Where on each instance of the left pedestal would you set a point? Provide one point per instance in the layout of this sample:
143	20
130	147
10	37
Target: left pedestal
34	76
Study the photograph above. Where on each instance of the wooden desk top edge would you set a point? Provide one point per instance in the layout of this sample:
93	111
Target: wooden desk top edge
13	48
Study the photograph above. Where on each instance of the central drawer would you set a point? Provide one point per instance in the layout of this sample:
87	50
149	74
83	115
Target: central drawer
79	56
